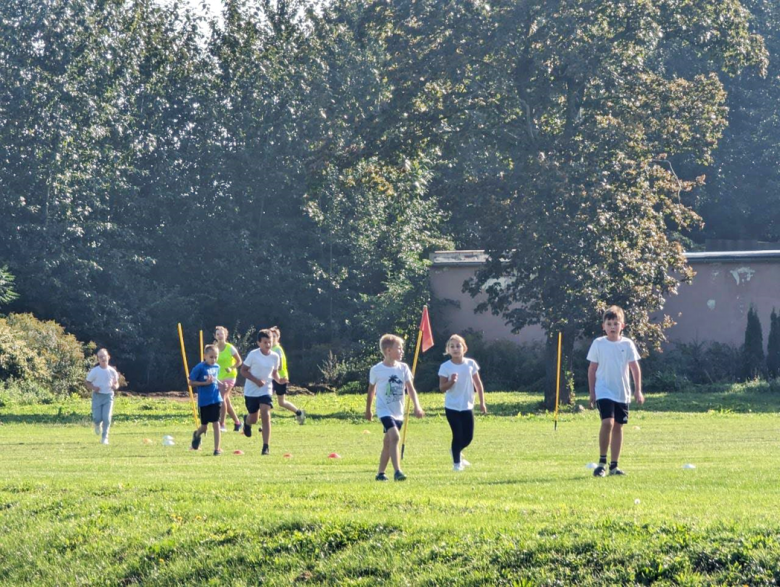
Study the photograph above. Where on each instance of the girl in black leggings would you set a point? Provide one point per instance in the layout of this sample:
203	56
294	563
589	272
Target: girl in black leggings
458	378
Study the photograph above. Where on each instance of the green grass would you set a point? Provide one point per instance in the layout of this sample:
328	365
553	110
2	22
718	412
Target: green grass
527	512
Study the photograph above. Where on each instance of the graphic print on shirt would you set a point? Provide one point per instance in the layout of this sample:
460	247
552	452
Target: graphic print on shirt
394	389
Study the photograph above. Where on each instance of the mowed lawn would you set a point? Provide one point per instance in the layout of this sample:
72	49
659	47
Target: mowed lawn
528	511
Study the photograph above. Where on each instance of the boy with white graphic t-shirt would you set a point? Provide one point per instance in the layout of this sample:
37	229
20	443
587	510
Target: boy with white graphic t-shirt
611	358
260	367
388	380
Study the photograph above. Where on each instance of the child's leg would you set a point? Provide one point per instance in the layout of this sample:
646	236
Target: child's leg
228	406
392	438
467	427
265	415
605	434
107	411
217	436
202	429
457	433
285	404
617	442
222	408
252	418
97	412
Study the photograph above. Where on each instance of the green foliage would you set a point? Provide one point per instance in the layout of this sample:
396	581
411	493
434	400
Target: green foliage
7	292
753	363
698	362
41	354
773	346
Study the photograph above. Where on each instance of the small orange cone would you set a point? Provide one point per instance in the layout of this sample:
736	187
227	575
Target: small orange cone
334	455
288	455
238	452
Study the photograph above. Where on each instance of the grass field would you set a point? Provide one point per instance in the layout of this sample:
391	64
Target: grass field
527	512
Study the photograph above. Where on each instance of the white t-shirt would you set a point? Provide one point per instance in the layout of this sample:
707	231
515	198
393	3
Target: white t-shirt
103	379
612	379
460	396
390	383
260	366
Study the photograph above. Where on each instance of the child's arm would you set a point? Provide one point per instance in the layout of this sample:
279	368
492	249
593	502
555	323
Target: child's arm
480	392
370	401
91	386
592	382
418	411
636	373
194	383
275	376
446	383
237	362
248	375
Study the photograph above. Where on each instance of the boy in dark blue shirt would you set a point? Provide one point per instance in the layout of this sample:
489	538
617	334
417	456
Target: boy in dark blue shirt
204	377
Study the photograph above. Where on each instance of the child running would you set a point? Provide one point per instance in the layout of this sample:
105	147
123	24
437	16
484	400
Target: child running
281	387
611	358
388	380
458	378
229	361
102	381
260	367
204	377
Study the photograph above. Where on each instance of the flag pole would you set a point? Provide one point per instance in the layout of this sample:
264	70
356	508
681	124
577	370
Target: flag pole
558	380
408	403
187	376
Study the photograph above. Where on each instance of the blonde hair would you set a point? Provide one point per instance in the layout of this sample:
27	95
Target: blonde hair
614	312
388	341
458	338
276	332
222	328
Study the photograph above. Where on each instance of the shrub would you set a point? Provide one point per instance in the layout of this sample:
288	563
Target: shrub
773	346
753	350
41	352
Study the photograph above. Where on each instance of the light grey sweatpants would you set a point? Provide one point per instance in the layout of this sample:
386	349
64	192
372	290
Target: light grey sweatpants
102	407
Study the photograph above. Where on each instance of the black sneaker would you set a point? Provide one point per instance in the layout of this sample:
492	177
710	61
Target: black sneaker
616	471
217	452
600	471
266	451
381	477
195	440
399	476
247	428
237	427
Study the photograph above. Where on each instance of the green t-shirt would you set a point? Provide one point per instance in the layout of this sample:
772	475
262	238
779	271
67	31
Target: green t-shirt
283	369
225	361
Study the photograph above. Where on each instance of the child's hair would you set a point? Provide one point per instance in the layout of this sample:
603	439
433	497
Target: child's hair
276	332
264	333
221	328
458	338
210	348
614	312
388	341
103	350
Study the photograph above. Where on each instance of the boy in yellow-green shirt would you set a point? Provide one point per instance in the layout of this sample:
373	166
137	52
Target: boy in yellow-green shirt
280	388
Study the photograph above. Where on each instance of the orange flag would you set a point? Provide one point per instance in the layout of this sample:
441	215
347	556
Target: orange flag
425	328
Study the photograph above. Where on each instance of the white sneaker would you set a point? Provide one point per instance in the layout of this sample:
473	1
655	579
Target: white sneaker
458	467
464	462
104	441
222	429
96	428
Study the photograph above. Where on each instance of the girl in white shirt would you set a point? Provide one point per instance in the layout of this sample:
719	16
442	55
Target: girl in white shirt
458	378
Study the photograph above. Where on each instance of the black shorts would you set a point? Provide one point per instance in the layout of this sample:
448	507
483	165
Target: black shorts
209	413
280	388
610	409
390	422
253	403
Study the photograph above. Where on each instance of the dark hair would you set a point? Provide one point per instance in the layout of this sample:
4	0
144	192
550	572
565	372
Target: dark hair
615	313
264	333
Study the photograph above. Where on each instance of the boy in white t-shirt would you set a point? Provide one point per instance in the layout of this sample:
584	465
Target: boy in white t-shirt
102	380
458	378
611	358
388	380
260	367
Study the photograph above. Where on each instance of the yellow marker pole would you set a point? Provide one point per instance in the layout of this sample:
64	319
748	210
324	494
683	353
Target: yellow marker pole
409	404
558	380
187	377
201	346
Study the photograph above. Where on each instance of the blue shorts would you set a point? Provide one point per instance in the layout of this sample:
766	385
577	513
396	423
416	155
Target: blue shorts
390	422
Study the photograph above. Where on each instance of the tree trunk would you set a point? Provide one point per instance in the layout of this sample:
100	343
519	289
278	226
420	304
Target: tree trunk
551	363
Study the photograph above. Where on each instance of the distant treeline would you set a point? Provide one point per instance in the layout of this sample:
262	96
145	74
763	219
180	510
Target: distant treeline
294	163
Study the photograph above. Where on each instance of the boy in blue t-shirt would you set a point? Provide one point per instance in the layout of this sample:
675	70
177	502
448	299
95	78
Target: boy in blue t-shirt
204	377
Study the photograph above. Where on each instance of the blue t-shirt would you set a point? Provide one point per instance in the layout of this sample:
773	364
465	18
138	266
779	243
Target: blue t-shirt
207	394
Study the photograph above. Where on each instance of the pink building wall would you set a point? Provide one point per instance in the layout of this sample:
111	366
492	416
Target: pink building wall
712	308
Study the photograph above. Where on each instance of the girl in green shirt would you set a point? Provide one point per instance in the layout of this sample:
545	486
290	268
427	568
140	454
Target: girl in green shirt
281	387
229	361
